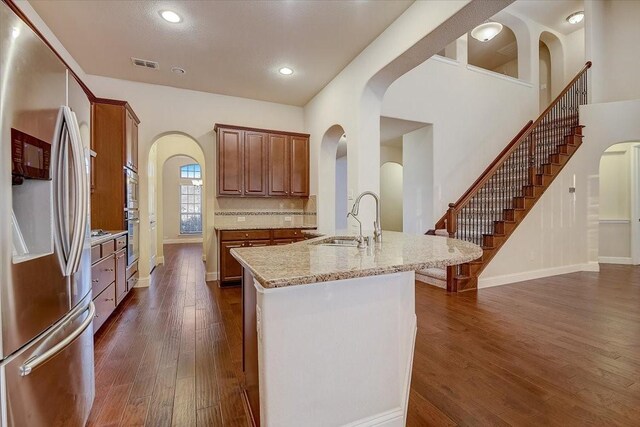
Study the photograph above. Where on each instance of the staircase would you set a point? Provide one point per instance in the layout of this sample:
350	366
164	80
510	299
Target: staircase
497	202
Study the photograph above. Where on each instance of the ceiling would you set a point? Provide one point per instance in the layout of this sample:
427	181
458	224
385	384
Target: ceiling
226	47
553	14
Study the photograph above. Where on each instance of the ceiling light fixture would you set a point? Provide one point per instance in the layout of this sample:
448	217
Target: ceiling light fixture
178	70
575	18
286	71
487	31
170	16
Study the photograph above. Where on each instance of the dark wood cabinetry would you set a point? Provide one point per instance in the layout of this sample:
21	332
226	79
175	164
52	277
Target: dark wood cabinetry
114	138
109	277
262	163
230	269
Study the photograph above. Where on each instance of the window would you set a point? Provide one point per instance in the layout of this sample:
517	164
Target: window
190	171
191	208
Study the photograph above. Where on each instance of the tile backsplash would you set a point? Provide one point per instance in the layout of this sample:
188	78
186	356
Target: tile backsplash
256	211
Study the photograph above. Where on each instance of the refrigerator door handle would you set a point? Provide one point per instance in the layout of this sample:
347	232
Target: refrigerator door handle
82	188
35	361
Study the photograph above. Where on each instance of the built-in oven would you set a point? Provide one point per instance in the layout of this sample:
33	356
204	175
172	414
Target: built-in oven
131	179
133	239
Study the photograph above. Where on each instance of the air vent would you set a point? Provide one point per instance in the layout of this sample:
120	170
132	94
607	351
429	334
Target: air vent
510	50
144	63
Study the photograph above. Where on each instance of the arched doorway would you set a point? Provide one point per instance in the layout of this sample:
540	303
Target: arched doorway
333	179
551	57
341	193
168	182
619	210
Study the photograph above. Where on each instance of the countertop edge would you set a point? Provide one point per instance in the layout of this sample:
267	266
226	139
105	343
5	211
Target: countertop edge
101	239
348	274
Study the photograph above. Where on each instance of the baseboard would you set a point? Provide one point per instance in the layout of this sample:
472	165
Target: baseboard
160	260
185	240
142	282
535	274
615	260
211	276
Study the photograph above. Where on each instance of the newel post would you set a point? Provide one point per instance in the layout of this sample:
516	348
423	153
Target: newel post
452	225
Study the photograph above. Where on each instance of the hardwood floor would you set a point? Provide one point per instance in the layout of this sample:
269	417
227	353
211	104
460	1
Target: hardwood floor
171	355
559	351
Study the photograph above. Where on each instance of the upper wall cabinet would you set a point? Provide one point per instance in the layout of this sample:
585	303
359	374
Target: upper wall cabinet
262	163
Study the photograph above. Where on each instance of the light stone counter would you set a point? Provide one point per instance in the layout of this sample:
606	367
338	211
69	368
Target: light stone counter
96	240
311	262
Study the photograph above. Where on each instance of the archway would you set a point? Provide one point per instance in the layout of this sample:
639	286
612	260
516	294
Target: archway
327	183
554	62
341	192
164	151
619	209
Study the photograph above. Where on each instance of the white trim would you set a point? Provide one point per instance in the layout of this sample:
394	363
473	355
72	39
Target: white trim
499	76
159	260
211	276
615	260
445	60
142	282
615	221
535	274
183	240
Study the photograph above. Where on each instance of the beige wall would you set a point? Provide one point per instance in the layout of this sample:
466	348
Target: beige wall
391	196
615	204
171	182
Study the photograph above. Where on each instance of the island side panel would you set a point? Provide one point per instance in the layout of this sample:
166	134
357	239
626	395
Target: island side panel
250	346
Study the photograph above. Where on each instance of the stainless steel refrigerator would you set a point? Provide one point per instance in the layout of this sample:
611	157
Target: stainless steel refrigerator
46	312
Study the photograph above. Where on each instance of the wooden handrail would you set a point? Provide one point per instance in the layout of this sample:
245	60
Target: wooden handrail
503	156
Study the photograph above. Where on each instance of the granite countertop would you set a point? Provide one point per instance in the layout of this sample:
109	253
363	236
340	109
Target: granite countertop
105	238
250	226
310	262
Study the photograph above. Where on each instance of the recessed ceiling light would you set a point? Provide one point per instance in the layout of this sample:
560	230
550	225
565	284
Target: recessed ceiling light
286	71
178	70
170	16
575	18
487	31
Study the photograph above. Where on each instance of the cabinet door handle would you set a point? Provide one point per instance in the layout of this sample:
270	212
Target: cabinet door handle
108	269
95	280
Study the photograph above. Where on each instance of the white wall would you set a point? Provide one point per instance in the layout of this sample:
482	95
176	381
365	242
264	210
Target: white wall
613	37
391	196
418	180
341	193
171	182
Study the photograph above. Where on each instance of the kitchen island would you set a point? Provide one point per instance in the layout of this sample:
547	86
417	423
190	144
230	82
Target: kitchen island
329	329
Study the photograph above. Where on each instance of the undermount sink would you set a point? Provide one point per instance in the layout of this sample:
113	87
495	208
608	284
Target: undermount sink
339	241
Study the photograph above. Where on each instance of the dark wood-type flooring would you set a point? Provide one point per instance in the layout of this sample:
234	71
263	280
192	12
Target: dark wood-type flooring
559	351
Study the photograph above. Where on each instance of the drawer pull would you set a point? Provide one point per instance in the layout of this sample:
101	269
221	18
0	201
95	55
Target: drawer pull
246	235
108	269
95	280
108	299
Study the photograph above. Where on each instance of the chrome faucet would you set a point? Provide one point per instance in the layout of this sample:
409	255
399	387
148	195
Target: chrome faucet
377	230
362	244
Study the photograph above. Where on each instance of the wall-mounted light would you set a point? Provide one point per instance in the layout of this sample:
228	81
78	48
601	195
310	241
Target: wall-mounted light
487	31
575	18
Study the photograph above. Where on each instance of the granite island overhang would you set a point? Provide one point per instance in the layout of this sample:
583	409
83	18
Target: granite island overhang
329	330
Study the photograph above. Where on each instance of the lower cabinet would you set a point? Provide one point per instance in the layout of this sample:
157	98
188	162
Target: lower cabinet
230	270
111	278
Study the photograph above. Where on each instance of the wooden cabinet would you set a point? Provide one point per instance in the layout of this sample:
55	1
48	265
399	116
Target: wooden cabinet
279	165
262	163
229	268
121	275
230	164
109	274
299	166
114	138
255	163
